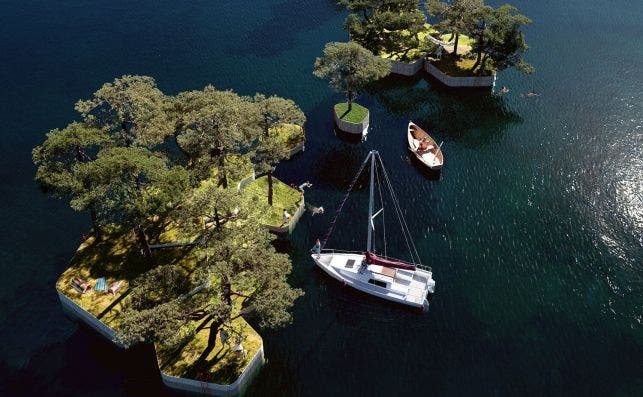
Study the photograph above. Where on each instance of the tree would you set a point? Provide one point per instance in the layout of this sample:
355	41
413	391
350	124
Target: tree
57	158
238	273
133	184
349	67
159	306
268	151
247	268
458	16
275	110
498	37
132	109
271	149
212	125
390	26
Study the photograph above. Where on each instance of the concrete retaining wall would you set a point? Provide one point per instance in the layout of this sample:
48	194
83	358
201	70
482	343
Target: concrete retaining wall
237	388
407	68
299	148
212	389
242	183
74	310
293	220
352	128
482	81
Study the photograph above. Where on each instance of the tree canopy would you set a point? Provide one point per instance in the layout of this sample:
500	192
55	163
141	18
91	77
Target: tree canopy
131	108
139	156
390	26
457	17
349	67
499	38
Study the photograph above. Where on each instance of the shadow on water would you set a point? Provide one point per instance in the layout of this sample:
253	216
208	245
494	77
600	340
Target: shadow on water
426	172
473	117
340	165
353	139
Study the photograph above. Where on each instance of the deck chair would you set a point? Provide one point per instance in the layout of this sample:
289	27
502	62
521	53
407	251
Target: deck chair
114	287
101	284
80	285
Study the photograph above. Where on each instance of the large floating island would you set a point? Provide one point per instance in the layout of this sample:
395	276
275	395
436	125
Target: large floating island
182	198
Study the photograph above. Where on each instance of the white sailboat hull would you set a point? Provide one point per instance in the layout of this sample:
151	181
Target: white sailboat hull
407	287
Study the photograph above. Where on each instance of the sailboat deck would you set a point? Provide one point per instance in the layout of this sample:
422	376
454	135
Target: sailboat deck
404	286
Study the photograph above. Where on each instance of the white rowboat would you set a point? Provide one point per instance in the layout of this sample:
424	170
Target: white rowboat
424	147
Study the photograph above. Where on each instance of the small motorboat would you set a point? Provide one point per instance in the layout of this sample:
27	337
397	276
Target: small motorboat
424	147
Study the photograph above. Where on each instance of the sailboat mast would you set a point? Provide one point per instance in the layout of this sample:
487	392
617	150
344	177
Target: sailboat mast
369	242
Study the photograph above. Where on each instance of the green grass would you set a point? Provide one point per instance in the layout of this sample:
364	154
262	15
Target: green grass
417	53
237	168
291	134
459	67
284	196
117	257
221	365
356	115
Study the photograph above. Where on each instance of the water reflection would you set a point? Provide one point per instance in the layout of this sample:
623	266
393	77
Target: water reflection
474	118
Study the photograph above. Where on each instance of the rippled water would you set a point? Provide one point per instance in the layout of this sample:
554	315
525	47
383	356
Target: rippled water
534	229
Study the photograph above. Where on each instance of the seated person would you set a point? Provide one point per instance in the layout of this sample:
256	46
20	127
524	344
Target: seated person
424	147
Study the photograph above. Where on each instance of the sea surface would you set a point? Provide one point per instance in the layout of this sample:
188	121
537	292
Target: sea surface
534	228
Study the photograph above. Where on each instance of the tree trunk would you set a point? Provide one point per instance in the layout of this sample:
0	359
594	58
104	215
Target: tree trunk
176	142
350	100
142	239
223	178
97	230
475	65
217	221
455	45
270	187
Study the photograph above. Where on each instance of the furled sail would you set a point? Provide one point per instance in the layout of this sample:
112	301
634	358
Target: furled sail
373	259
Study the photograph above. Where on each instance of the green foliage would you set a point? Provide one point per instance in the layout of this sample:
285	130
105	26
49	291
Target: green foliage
499	38
349	67
130	184
285	197
385	26
132	109
459	17
275	110
212	124
62	149
112	163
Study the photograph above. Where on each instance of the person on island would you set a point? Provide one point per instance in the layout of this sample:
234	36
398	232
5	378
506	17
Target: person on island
304	185
225	338
438	52
286	217
316	249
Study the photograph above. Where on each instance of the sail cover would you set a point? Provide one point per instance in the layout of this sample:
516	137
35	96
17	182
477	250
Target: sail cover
373	259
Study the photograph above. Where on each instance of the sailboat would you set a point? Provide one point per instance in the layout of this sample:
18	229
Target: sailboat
408	283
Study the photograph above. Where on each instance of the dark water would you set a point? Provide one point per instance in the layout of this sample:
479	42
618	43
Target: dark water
534	229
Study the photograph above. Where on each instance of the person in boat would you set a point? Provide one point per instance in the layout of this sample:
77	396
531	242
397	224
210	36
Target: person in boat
424	147
317	248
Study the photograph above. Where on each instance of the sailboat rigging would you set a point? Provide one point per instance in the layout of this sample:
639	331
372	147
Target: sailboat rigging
408	283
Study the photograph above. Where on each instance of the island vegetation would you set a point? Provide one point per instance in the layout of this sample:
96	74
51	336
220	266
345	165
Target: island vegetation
158	175
348	67
481	39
